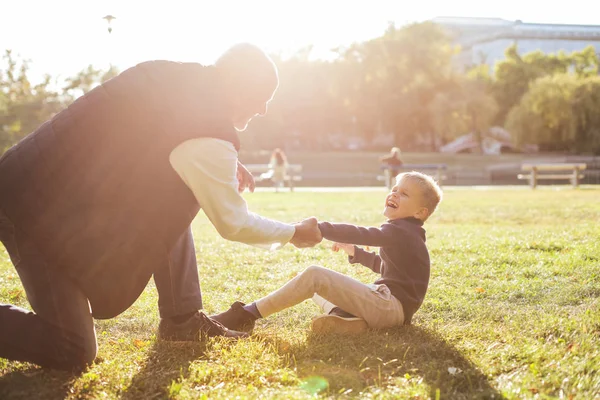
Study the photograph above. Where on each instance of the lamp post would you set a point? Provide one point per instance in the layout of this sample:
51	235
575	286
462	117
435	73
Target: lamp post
109	19
111	69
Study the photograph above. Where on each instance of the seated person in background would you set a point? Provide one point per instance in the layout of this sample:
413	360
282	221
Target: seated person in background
349	305
277	169
391	164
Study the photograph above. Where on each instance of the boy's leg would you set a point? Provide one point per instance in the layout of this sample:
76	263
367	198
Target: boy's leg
372	303
177	283
60	334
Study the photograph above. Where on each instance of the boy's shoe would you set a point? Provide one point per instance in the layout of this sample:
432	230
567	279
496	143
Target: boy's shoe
334	324
236	318
197	328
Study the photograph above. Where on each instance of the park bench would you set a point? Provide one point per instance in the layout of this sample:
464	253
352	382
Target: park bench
568	171
294	172
434	170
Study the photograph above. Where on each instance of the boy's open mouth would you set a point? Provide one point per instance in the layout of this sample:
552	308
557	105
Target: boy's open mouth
391	204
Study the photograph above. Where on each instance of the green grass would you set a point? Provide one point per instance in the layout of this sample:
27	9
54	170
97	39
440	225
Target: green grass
512	305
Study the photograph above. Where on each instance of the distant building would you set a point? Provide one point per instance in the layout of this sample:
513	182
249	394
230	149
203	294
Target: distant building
484	40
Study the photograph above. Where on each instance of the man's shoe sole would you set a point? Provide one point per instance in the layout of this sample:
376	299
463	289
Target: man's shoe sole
334	324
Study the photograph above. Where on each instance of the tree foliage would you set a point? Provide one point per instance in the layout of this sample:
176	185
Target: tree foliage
516	72
24	105
586	115
544	115
402	85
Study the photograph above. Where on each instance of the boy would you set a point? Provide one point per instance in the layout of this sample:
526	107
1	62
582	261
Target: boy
349	305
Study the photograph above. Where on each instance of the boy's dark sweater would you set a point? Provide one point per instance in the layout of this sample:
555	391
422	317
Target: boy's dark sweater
403	259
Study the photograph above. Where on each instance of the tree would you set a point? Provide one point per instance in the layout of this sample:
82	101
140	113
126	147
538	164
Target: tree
466	107
514	74
544	115
302	105
402	72
87	79
447	116
23	106
480	109
586	118
585	62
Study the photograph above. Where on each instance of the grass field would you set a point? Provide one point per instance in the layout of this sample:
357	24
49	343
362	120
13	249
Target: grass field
512	311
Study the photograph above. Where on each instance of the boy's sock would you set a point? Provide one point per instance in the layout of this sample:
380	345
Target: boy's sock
252	309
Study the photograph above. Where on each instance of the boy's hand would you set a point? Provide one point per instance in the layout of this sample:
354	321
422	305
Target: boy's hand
348	248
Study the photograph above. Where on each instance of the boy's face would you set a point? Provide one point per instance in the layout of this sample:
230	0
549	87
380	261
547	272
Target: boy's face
405	200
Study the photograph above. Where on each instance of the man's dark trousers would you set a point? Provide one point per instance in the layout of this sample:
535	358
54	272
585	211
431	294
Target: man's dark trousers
60	332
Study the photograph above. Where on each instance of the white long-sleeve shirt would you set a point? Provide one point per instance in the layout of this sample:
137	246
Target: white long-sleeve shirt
208	167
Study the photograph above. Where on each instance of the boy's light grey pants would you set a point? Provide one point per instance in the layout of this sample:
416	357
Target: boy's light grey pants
329	289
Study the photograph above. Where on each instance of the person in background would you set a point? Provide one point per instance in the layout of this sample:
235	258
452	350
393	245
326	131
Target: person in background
278	167
391	164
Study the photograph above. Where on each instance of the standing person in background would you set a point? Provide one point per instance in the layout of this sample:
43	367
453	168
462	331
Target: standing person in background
391	165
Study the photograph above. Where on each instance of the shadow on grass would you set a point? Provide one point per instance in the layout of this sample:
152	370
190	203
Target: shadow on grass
35	383
167	362
397	357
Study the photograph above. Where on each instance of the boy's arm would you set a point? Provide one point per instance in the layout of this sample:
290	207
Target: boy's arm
346	233
370	260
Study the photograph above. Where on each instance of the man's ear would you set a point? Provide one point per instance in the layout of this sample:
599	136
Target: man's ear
422	213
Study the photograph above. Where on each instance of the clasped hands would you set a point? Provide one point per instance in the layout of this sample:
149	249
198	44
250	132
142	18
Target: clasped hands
307	233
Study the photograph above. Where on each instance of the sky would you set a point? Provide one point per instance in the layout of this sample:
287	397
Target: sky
61	37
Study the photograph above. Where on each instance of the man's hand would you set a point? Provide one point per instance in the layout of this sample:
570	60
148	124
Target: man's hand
245	178
307	233
347	248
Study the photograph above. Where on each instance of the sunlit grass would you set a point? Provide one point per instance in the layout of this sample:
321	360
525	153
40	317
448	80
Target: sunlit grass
512	311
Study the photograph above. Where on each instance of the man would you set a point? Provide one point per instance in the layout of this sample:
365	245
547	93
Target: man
101	197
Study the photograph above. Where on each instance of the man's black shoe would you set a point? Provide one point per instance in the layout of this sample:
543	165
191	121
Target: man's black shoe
236	318
197	328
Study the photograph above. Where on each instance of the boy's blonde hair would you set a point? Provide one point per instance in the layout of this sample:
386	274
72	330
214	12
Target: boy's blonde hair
431	191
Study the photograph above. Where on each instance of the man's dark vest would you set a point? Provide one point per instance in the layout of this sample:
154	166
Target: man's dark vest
93	188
